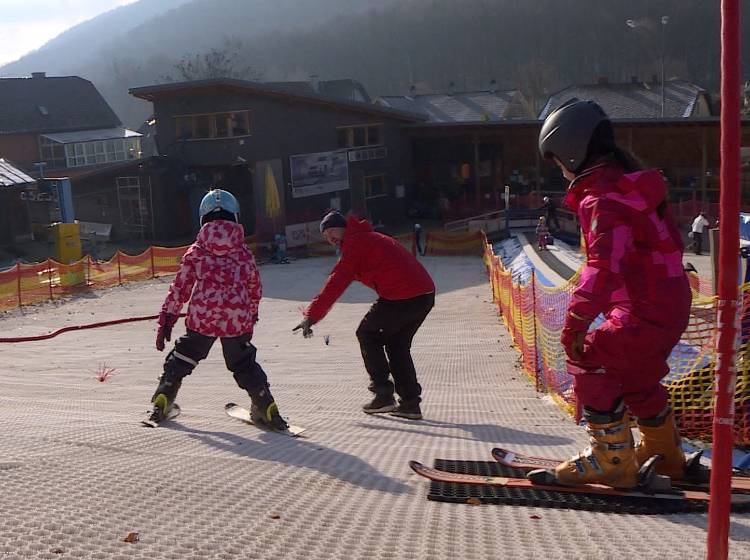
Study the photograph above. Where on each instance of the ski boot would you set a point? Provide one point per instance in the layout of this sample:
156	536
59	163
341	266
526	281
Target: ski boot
609	460
264	410
164	406
659	436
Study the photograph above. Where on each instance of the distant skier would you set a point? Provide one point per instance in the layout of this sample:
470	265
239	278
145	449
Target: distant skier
418	238
406	294
551	212
219	277
696	231
542	234
634	276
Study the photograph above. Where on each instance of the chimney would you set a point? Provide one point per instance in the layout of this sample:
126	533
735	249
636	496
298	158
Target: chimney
602	80
39	74
412	90
493	86
315	83
633	79
451	88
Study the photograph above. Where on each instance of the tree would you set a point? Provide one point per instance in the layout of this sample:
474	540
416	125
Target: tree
220	62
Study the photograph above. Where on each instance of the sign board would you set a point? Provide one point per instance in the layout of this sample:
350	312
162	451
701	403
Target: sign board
319	173
303	234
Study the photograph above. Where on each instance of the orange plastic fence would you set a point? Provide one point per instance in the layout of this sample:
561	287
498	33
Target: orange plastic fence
534	315
454	243
25	284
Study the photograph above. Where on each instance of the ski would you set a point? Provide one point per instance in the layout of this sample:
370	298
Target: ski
242	413
528	462
597	489
173	413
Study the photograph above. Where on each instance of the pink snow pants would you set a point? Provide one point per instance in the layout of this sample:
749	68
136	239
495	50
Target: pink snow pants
626	356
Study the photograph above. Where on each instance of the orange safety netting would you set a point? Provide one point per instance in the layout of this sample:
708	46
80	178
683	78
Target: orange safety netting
534	315
25	284
454	243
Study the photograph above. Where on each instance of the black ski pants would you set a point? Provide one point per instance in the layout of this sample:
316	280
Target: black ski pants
385	336
192	347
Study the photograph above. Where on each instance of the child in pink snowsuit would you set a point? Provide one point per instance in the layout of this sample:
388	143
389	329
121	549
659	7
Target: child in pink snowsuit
542	233
634	277
219	278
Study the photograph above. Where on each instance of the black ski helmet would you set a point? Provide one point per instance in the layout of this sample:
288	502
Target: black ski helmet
567	131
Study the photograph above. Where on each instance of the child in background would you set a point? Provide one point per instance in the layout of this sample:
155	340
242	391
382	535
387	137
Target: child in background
542	232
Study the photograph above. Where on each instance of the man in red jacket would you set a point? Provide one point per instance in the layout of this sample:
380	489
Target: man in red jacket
406	294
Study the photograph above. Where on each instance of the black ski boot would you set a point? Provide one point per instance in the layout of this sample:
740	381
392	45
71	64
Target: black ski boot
265	411
164	406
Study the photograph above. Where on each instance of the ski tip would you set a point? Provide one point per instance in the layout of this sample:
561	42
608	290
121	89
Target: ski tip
415	465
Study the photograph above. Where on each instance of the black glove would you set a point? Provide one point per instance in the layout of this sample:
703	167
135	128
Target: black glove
166	322
305	325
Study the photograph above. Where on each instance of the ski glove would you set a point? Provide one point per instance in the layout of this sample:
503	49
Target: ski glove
166	322
305	325
573	335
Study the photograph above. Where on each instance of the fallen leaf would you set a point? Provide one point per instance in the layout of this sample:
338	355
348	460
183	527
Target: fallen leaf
474	502
58	551
275	516
535	517
131	538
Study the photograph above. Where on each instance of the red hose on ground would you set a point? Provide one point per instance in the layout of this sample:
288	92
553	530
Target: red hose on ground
79	328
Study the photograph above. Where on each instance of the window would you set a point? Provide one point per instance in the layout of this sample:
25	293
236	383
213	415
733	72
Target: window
53	153
375	186
213	125
360	136
100	151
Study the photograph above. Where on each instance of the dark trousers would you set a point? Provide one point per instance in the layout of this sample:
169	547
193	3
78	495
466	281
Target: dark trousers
553	218
385	336
697	242
192	347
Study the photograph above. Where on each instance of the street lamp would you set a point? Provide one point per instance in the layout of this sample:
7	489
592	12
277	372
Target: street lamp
664	21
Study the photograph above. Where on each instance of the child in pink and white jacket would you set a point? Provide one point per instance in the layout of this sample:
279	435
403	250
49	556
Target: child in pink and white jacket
219	278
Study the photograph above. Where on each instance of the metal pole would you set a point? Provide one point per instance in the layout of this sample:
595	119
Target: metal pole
728	306
18	272
664	21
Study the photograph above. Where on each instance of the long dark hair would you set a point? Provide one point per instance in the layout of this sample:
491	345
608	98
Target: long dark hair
602	147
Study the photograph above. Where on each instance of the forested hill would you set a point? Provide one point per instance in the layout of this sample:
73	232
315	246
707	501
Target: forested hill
538	45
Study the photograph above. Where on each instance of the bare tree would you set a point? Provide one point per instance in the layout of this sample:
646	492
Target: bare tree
536	81
221	62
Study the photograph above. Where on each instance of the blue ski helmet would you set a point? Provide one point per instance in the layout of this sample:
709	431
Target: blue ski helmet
217	200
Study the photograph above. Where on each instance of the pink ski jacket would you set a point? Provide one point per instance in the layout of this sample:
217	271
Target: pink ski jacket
219	276
634	254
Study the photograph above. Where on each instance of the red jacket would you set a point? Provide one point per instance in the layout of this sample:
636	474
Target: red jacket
379	262
219	277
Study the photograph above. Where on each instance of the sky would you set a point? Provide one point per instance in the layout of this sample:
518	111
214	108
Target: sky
26	25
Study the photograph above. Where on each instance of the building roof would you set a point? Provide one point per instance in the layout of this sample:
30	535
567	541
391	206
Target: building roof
153	92
56	104
633	100
11	176
90	135
470	106
345	89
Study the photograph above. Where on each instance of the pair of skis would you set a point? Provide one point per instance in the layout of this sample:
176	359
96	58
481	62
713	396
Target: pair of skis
233	410
681	490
